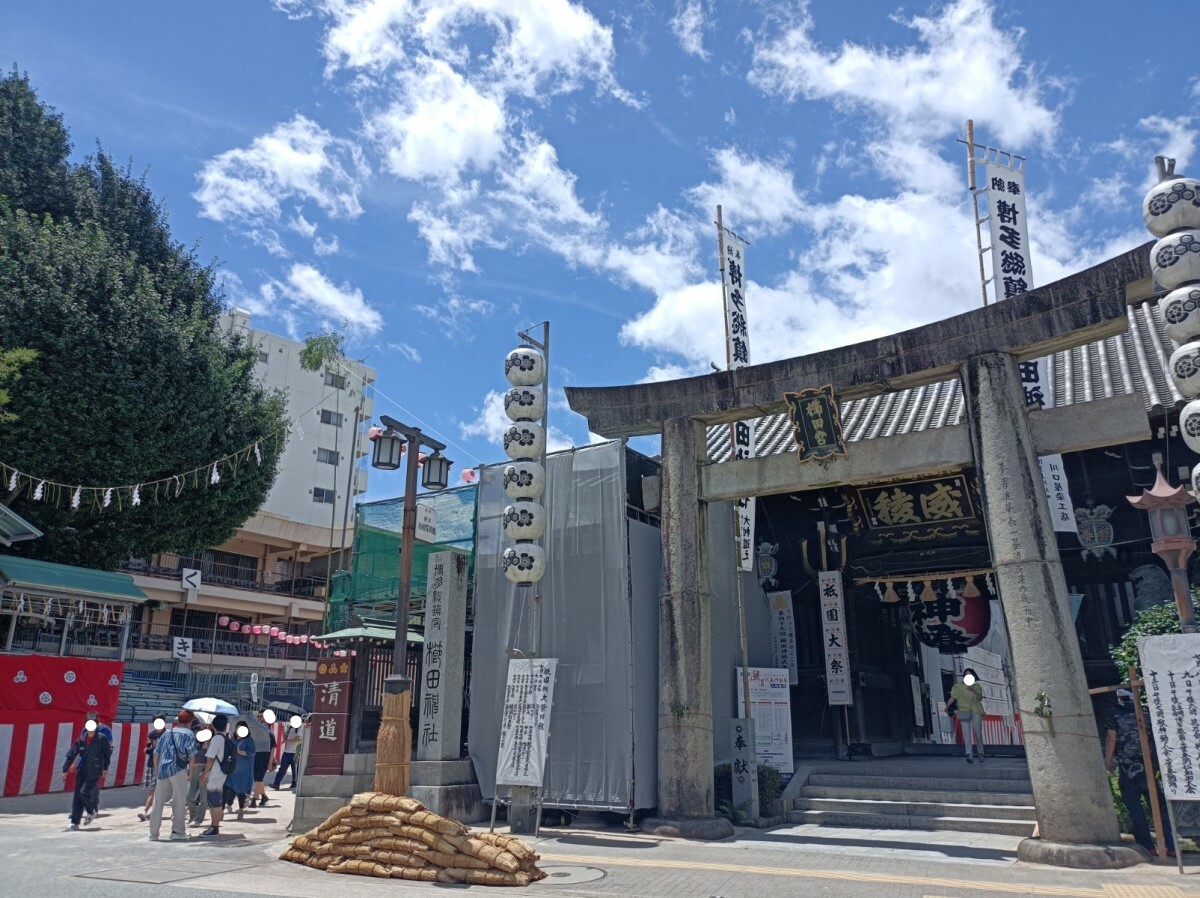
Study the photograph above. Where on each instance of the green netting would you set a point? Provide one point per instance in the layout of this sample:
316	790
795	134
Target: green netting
371	585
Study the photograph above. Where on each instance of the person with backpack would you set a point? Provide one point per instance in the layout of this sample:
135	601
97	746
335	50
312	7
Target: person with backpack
241	781
174	756
218	764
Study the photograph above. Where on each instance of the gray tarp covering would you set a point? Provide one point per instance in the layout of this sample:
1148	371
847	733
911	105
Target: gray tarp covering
602	725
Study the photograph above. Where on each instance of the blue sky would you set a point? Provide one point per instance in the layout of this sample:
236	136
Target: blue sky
437	175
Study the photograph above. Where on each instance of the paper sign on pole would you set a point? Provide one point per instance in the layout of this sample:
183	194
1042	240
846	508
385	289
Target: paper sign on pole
1171	672
525	722
833	637
426	524
771	705
783	634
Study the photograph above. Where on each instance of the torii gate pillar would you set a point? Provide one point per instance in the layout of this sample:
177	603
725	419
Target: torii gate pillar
1076	824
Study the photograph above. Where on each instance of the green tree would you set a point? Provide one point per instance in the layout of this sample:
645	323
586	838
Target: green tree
11	363
1156	620
134	380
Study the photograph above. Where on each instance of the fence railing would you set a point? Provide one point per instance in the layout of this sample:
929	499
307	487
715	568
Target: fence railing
236	576
209	641
235	686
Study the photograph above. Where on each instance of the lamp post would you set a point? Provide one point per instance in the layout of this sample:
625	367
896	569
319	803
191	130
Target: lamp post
394	745
1173	543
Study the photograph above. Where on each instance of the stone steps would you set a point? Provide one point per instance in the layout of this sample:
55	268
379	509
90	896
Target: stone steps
957	783
906	821
938	796
909	808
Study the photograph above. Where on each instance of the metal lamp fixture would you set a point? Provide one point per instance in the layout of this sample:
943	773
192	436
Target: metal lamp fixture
389	447
435	471
1167	508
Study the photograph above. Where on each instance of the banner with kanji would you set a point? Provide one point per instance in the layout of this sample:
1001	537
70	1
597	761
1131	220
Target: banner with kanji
737	335
1171	672
331	716
525	722
833	638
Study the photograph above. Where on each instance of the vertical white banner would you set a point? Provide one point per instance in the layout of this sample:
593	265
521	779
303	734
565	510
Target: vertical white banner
783	634
1171	672
525	722
737	335
1012	275
833	638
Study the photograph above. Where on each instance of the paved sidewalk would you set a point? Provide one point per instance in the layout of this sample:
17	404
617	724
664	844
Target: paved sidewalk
114	859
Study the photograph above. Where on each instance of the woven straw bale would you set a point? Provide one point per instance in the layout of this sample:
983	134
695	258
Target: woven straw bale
362	868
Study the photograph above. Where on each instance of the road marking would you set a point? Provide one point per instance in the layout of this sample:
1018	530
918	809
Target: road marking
968	885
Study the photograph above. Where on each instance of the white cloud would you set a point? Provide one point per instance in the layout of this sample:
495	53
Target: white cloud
439	126
755	195
492	421
409	352
296	160
689	24
966	68
458	317
309	290
324	247
452	233
541	191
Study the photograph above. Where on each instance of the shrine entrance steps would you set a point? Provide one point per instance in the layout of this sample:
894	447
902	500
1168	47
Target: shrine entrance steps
931	793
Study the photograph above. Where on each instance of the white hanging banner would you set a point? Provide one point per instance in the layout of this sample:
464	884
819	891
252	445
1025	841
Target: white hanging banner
737	336
783	634
771	705
1171	672
833	638
525	722
1058	494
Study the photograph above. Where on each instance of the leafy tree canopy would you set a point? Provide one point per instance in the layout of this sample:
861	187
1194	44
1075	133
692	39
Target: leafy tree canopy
133	379
1157	620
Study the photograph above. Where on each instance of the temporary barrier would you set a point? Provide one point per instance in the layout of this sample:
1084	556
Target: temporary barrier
32	755
998	729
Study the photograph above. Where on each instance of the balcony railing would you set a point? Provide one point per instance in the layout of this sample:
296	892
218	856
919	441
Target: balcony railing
235	576
207	643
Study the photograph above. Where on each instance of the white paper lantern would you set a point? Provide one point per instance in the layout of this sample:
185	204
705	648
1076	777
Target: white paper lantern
525	367
524	480
524	520
524	403
1181	312
524	563
1189	427
1172	205
1175	259
524	440
1184	369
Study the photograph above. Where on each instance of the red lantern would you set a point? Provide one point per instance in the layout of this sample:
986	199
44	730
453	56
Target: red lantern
257	629
223	621
950	618
234	626
274	631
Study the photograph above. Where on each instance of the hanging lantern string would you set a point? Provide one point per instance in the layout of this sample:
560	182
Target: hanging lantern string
939	575
52	492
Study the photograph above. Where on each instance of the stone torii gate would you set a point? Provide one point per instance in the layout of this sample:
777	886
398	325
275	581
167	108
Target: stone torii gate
1076	820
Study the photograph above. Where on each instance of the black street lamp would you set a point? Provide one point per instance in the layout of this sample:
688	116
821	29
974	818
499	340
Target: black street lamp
394	745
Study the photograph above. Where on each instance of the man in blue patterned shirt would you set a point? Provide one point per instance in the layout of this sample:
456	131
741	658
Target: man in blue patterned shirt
174	755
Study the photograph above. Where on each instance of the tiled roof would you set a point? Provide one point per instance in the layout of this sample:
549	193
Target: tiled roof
1132	362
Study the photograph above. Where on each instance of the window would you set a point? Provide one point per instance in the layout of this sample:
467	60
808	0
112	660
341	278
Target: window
264	356
328	417
323	495
327	456
335	380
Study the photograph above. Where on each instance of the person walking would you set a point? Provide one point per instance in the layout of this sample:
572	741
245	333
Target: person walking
174	759
240	783
216	759
91	754
966	701
264	750
197	805
1123	753
150	777
287	761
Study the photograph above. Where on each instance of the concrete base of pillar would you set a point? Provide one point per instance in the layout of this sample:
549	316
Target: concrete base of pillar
1082	857
708	829
449	788
523	811
318	795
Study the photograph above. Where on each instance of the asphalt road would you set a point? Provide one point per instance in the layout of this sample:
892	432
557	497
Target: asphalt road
114	858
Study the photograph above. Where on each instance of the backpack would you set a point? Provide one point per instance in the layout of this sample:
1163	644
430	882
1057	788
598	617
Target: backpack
228	761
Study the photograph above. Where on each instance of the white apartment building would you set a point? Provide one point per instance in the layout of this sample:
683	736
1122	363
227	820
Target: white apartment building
275	571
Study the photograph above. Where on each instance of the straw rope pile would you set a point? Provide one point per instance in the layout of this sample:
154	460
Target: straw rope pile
390	836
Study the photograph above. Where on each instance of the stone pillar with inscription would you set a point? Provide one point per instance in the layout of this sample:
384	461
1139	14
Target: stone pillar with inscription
1076	822
441	777
685	719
